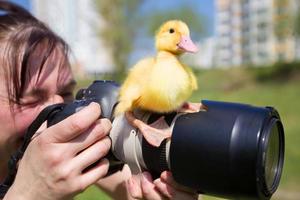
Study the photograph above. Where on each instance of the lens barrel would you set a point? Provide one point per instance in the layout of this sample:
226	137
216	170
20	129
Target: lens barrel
231	150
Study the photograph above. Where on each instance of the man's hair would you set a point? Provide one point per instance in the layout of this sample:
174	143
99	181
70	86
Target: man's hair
26	44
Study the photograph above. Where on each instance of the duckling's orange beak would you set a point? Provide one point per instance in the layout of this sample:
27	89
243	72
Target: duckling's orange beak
187	45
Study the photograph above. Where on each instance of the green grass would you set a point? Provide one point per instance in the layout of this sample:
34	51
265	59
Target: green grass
240	85
92	193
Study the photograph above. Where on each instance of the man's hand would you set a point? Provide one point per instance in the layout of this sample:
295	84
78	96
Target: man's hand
143	187
53	166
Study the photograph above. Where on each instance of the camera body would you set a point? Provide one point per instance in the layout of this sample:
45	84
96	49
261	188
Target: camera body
103	92
231	150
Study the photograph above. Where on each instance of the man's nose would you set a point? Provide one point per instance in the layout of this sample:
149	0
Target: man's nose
54	99
57	99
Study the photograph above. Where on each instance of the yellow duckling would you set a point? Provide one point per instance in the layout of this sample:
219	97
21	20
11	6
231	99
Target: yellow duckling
161	84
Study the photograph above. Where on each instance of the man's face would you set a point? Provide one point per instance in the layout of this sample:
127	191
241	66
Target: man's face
38	93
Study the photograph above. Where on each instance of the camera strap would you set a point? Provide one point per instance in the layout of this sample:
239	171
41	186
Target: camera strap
14	159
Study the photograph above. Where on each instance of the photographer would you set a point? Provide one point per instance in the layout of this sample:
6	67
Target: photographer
34	73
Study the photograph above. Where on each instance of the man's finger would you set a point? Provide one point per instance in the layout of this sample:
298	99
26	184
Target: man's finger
134	188
167	177
182	191
74	125
97	131
164	188
94	174
92	154
149	189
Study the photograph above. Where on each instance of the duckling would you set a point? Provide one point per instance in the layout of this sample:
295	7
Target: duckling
161	84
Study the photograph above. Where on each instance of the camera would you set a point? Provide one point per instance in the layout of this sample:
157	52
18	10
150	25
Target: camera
229	150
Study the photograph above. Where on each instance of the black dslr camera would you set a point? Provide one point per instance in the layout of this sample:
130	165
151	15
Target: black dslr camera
231	150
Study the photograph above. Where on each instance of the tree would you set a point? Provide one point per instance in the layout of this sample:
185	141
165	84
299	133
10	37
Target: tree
124	23
120	17
297	20
283	19
185	13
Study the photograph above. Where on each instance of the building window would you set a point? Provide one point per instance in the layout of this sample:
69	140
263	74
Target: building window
262	55
261	38
261	11
281	57
262	25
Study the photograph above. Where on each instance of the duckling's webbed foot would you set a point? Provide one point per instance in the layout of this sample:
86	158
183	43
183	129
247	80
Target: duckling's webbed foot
154	133
188	107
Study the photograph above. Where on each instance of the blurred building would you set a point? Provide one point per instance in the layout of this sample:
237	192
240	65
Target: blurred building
205	56
254	32
78	23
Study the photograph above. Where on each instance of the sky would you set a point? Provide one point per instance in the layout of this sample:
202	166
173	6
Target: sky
205	7
24	3
145	47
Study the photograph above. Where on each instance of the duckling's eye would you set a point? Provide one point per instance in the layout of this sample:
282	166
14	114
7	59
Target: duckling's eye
171	30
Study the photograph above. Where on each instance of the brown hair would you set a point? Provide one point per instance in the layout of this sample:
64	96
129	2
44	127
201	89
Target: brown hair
27	44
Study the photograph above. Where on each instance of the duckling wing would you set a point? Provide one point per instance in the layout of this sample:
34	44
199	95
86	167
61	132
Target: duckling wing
133	85
193	79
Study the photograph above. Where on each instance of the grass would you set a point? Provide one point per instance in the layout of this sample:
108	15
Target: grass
92	193
241	85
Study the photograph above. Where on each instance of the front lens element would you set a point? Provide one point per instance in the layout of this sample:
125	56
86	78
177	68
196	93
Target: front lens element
272	157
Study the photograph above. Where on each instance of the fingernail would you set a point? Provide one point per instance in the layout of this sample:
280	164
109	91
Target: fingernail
157	181
146	177
129	184
95	104
164	174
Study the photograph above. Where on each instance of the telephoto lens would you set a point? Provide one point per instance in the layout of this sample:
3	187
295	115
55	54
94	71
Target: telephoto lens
228	150
231	150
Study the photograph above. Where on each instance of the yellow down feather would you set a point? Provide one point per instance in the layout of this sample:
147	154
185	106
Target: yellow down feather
161	84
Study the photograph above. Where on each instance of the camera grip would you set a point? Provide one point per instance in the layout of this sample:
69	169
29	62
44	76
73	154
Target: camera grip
105	93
